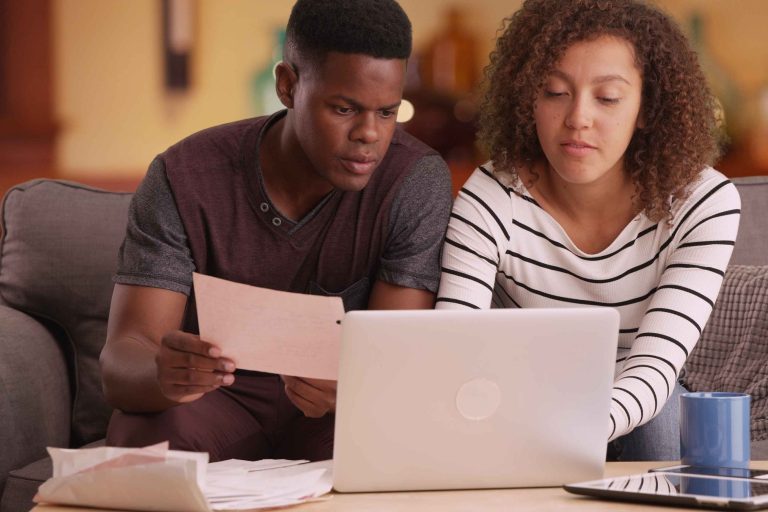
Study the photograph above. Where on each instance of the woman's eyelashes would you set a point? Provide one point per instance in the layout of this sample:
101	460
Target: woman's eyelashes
605	99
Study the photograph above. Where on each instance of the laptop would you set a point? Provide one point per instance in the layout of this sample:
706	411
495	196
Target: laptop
495	398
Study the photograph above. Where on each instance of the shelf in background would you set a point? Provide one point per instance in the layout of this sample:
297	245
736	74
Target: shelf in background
739	162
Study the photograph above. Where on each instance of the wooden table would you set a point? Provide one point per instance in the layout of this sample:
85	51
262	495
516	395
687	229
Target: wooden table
543	499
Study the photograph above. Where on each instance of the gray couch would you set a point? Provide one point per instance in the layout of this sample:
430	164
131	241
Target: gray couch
57	255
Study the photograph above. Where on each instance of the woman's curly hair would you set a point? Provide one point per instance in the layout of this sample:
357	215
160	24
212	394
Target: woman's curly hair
679	136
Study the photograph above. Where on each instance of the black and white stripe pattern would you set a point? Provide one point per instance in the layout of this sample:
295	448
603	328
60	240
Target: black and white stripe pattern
503	250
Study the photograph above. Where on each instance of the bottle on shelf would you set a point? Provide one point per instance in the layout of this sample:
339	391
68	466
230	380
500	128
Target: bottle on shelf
441	82
723	87
757	137
265	100
449	64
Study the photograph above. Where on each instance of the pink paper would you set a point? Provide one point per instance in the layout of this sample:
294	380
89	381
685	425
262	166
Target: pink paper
271	331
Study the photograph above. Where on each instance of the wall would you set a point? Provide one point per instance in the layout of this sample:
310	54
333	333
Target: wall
114	111
115	115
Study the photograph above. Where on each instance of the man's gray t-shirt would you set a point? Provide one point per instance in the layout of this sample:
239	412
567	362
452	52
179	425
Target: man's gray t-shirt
156	251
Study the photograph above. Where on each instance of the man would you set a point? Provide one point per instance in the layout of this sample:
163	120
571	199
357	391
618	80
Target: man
327	197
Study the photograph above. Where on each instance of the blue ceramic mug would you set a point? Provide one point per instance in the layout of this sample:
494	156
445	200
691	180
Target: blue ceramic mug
714	429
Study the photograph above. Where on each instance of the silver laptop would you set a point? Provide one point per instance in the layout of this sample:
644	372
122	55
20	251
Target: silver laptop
473	399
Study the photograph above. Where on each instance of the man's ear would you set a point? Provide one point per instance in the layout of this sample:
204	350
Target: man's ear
285	83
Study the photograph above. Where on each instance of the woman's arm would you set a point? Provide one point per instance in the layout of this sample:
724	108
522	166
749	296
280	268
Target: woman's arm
680	306
475	239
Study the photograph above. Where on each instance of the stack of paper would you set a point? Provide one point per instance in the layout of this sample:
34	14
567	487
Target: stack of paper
155	478
239	484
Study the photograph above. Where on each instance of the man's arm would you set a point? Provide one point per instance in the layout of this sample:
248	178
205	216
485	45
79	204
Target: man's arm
147	363
390	296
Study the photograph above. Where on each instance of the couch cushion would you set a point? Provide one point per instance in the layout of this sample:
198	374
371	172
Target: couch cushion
34	391
23	483
759	450
57	256
752	241
732	354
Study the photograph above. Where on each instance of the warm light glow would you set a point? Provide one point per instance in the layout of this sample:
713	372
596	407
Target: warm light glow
406	111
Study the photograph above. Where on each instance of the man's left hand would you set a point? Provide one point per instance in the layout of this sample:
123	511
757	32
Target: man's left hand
314	397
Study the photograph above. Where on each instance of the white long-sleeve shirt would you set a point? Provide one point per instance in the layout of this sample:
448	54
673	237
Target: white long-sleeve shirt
503	250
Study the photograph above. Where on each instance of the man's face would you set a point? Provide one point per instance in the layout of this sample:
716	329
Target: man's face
343	114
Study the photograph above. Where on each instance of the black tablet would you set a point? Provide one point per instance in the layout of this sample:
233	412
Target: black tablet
680	489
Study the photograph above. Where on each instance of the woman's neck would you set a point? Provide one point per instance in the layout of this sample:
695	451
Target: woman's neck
592	214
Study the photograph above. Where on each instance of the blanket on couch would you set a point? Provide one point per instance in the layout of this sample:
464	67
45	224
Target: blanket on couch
732	354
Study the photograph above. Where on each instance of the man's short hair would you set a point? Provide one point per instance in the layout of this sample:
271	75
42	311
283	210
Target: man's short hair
377	28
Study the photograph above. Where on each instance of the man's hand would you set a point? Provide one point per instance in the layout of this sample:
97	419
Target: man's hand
188	367
314	397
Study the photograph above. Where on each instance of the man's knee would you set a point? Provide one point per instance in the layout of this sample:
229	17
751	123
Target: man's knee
215	423
136	430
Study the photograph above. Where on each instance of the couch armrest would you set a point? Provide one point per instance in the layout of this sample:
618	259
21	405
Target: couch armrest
35	399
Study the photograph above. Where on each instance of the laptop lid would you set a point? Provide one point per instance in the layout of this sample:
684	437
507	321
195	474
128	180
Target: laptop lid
473	399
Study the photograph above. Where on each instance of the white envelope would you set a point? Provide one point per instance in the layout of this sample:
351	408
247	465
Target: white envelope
152	478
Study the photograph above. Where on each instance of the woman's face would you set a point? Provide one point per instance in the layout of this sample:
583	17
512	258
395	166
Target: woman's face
588	110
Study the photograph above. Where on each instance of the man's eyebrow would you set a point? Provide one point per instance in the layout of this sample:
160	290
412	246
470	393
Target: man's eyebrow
359	105
597	80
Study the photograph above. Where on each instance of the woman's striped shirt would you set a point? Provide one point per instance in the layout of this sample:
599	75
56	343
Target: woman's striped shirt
503	250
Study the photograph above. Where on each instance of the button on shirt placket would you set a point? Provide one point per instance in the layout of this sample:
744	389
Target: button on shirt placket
276	221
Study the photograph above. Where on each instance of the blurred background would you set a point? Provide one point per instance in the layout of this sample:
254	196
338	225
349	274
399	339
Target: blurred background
91	90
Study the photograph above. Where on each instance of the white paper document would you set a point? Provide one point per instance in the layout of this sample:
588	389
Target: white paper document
157	479
271	331
242	485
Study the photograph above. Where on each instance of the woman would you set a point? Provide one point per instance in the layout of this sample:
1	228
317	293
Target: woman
601	132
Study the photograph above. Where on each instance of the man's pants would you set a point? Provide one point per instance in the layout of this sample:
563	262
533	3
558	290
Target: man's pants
252	419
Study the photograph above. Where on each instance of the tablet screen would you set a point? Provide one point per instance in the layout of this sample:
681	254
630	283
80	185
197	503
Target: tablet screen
676	487
761	474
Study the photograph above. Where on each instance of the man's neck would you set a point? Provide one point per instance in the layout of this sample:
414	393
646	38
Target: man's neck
290	180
